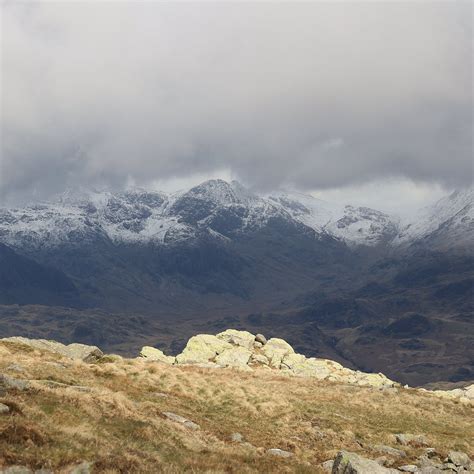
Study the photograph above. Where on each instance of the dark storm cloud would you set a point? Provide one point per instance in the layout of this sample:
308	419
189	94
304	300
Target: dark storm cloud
316	95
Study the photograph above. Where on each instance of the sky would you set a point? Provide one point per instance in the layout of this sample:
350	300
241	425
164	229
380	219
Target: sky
364	102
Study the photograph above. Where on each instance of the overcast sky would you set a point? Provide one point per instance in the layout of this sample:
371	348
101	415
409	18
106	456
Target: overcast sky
360	100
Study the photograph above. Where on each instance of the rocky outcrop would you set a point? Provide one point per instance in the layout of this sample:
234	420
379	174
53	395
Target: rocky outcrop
151	353
243	350
201	349
234	357
465	394
73	351
238	338
276	350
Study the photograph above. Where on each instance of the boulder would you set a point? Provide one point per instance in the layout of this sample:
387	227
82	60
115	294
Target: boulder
73	351
381	448
10	383
237	338
234	357
236	438
406	439
261	339
151	353
351	463
4	409
469	392
201	349
299	365
408	468
275	350
16	470
373	380
459	459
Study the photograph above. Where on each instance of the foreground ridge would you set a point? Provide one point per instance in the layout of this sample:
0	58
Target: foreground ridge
231	402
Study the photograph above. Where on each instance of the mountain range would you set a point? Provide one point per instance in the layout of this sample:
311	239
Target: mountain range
372	290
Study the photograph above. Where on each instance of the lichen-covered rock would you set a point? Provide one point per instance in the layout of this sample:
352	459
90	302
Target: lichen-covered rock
298	364
234	357
73	351
373	380
351	463
151	353
201	349
275	350
237	338
259	359
469	392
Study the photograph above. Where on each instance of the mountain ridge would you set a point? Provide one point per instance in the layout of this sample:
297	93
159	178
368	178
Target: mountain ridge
151	216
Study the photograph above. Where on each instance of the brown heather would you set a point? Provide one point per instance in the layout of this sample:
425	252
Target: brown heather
119	426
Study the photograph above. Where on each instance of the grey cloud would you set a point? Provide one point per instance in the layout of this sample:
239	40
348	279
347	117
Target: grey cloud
313	95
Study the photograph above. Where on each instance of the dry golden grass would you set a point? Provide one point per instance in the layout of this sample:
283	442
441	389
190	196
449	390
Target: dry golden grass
119	426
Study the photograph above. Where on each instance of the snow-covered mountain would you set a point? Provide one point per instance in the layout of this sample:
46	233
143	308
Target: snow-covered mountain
221	210
447	223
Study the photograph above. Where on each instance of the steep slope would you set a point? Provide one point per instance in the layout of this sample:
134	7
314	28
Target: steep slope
24	281
356	226
447	224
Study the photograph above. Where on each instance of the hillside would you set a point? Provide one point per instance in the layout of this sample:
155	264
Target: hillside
70	406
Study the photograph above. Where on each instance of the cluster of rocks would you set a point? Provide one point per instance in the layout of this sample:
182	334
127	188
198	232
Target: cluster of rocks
428	463
72	351
465	394
245	351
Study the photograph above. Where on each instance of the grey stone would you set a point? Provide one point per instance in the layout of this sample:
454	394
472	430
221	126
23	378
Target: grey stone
261	339
10	383
389	450
236	438
4	409
459	459
279	452
430	470
408	468
180	419
406	439
352	463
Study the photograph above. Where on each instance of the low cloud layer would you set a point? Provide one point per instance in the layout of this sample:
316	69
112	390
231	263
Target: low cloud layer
311	95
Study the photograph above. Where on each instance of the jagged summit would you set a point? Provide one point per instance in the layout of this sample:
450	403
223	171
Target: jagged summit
221	208
449	220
